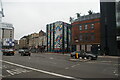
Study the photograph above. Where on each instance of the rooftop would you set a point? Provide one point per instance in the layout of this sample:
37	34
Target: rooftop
87	17
6	25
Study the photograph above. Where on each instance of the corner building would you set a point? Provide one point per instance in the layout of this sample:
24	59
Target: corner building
58	37
86	33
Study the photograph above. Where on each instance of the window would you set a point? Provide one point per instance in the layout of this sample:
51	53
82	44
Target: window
86	37
86	27
10	34
92	36
80	27
92	26
81	37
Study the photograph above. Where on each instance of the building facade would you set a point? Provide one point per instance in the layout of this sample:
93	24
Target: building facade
16	44
118	24
7	30
108	28
36	42
24	42
86	33
38	39
58	37
7	35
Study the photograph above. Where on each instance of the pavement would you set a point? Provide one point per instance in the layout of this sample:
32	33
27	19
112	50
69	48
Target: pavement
110	56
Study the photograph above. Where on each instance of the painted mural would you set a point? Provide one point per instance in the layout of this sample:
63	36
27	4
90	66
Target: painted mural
58	36
52	28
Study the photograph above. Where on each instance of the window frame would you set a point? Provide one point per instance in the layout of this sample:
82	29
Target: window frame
92	26
86	27
80	28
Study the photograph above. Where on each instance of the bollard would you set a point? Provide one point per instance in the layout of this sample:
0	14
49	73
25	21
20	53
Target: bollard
77	56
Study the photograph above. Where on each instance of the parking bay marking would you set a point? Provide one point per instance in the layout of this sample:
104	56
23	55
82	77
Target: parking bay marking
46	72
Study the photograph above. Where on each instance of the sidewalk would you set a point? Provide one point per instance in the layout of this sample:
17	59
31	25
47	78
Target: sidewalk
68	54
109	56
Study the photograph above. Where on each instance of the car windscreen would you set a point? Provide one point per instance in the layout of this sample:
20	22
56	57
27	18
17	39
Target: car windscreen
26	50
10	50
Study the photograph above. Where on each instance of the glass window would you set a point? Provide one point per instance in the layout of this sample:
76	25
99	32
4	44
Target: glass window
92	26
92	37
81	37
86	27
86	37
80	27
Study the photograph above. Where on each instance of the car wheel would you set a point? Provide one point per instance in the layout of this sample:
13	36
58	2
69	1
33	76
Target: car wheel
90	58
87	57
73	57
29	55
82	57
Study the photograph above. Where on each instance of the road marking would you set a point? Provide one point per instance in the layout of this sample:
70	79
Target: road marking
73	66
66	68
29	57
46	72
51	57
9	72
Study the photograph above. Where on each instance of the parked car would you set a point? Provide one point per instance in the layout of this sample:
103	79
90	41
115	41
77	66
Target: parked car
21	50
25	52
83	55
10	52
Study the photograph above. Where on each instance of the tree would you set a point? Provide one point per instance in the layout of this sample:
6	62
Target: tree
90	12
71	19
78	15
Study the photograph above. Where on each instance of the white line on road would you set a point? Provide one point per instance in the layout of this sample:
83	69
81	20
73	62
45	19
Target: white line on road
46	72
9	72
66	68
51	58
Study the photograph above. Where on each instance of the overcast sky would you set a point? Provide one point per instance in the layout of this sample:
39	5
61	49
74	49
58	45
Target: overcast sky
29	16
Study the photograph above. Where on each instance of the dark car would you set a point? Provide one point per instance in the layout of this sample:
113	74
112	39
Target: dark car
73	54
21	50
84	55
91	56
10	52
25	52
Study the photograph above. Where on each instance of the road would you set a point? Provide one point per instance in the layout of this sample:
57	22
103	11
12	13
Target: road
58	66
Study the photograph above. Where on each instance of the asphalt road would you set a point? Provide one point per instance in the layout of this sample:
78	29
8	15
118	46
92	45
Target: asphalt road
58	66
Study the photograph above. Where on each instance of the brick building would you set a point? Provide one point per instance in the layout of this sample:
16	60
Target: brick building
86	33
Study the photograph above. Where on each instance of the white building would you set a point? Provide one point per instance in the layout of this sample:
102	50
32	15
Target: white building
7	30
7	34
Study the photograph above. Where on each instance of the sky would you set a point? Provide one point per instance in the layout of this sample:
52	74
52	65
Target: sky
31	16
